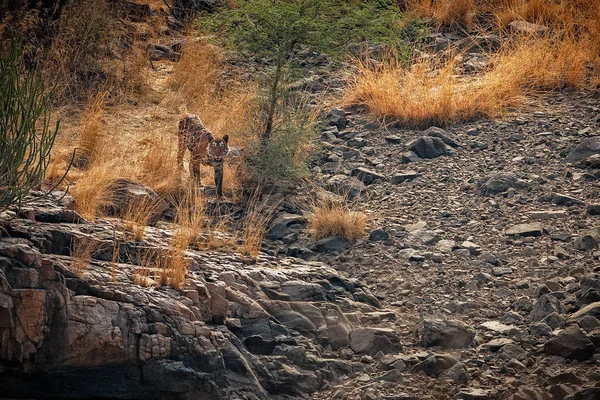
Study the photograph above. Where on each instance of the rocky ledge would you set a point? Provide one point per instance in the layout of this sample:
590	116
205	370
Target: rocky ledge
238	329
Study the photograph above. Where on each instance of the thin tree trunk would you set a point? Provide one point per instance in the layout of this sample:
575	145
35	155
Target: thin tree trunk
273	96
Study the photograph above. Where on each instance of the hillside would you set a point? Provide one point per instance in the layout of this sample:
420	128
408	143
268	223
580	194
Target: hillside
411	202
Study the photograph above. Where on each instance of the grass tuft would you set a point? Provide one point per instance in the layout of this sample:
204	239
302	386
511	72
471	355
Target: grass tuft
336	218
82	251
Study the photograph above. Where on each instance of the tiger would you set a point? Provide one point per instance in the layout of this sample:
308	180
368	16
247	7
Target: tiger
204	149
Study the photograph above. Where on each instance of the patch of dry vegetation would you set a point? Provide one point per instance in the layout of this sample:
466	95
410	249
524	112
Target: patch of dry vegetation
446	12
431	91
336	218
82	251
190	219
137	216
225	104
255	225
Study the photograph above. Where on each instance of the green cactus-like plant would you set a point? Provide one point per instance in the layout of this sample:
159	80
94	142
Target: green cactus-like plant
26	132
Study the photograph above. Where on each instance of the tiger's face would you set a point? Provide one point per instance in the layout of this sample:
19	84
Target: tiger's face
217	148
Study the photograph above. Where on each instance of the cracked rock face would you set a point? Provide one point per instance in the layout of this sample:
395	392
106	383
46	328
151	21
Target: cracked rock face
233	331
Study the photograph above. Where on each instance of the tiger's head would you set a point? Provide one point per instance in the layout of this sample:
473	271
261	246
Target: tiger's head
217	149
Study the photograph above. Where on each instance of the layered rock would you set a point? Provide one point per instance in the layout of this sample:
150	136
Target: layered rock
235	330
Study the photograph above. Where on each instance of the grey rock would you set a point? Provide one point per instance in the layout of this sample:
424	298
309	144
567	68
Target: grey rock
429	147
370	341
449	334
367	176
500	183
544	306
571	343
583	150
332	244
529	229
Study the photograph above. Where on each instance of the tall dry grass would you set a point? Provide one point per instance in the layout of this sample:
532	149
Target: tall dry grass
446	12
91	135
255	225
206	86
336	218
190	218
137	215
85	28
82	251
435	92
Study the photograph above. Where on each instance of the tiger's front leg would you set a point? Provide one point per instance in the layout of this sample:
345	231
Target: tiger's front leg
195	170
219	180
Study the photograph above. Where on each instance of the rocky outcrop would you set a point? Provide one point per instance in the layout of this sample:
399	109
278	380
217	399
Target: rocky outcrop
235	330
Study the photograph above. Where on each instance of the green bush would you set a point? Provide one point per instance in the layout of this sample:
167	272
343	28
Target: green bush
276	29
284	154
27	135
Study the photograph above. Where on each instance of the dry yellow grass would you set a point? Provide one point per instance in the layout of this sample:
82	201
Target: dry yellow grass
336	218
255	225
136	215
90	137
430	92
204	86
189	218
82	251
446	12
93	190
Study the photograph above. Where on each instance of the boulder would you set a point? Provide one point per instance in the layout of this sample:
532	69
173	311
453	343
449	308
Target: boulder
583	150
370	341
530	229
345	186
500	183
367	176
429	147
450	334
571	343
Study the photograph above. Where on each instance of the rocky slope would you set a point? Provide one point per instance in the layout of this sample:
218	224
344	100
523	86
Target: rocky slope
236	330
485	244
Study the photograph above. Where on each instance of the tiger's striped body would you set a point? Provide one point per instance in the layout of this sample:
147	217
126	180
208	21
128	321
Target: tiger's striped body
203	147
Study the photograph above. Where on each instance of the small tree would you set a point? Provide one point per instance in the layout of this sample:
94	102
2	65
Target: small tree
276	29
26	132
